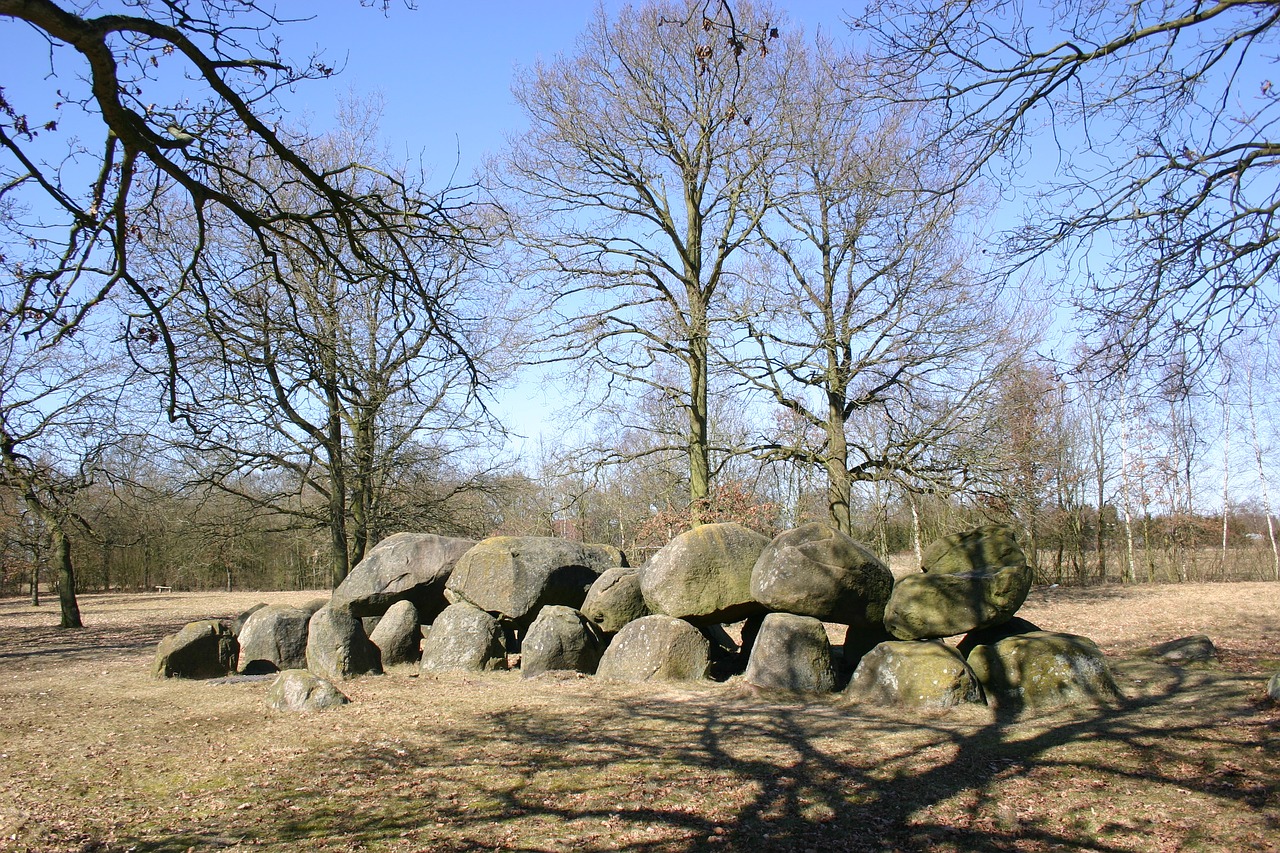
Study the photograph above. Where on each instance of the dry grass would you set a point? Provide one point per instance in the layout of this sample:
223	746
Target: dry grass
99	757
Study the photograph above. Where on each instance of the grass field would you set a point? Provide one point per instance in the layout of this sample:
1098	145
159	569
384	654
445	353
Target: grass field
97	756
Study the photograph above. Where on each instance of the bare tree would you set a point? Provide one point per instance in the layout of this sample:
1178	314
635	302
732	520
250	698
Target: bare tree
323	377
56	416
77	215
1255	361
1164	114
864	318
639	180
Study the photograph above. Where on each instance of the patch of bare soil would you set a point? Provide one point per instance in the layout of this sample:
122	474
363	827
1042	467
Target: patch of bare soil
97	756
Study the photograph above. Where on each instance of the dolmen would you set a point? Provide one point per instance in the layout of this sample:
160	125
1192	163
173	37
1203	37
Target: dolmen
720	600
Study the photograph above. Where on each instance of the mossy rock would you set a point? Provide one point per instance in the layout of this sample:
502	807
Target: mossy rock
983	549
464	637
704	574
300	690
934	605
657	648
560	639
914	673
815	570
1044	670
791	653
615	599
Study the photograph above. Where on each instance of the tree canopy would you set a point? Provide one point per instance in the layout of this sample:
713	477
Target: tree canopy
1163	115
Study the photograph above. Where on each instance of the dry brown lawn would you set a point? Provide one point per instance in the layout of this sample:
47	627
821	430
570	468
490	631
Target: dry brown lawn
97	756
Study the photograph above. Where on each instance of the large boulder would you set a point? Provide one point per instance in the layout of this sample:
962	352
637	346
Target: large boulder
464	637
398	634
944	604
516	576
206	649
656	648
969	581
402	567
704	574
815	570
983	549
915	673
337	646
560	638
273	639
615	599
791	653
1043	670
299	690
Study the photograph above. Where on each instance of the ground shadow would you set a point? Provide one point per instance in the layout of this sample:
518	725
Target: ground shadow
726	769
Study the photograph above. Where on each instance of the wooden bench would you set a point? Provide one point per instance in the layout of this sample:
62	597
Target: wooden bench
164	589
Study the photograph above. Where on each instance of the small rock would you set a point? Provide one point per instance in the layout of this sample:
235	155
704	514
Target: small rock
561	638
398	635
1197	648
337	646
274	639
614	599
299	690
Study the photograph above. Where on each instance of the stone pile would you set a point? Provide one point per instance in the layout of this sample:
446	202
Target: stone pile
548	605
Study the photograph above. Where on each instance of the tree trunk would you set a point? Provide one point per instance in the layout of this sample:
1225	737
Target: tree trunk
1126	485
339	564
338	560
839	485
105	561
916	538
363	490
1262	474
60	556
59	560
699	430
1226	470
1100	483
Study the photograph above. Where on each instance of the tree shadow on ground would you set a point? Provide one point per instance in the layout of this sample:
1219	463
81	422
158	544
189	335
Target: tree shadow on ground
723	769
50	643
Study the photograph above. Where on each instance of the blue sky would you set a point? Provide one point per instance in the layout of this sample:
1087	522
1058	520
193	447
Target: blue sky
445	69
